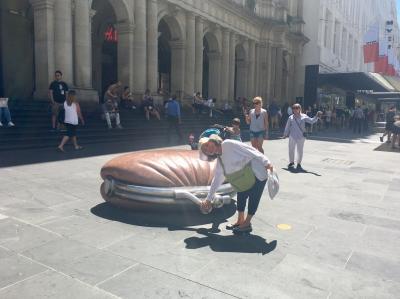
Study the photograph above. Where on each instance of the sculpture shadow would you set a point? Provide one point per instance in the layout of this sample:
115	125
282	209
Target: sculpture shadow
245	243
294	170
180	218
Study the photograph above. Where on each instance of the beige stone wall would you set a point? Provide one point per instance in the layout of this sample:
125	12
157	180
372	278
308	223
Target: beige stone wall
258	43
16	48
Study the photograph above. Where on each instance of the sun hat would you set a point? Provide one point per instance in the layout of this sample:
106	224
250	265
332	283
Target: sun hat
215	138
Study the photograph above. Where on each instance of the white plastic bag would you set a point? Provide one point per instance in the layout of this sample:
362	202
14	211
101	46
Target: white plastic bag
273	184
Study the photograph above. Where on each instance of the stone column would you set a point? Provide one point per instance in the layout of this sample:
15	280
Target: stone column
139	48
224	83
83	45
177	67
126	71
272	73
199	54
190	54
250	76
152	45
44	45
257	62
232	49
214	76
263	76
243	71
279	75
63	38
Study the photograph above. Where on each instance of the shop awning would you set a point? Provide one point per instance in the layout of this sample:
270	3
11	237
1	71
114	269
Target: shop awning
355	82
383	96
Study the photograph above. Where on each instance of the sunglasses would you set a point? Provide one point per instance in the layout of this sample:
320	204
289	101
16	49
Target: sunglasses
256	103
296	108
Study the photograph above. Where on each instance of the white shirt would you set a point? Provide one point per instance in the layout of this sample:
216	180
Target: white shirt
71	114
257	124
296	126
235	156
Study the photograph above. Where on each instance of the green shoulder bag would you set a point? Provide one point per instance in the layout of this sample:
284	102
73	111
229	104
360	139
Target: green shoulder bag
241	180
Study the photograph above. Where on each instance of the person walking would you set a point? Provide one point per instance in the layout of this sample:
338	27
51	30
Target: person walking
173	110
71	120
358	116
296	131
389	124
257	118
58	91
4	111
396	131
241	165
274	114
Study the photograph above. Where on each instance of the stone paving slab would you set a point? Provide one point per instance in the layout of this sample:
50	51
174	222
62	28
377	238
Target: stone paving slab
58	239
142	281
50	284
15	268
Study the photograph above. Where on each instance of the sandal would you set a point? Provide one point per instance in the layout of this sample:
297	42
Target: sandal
240	230
78	148
232	226
60	149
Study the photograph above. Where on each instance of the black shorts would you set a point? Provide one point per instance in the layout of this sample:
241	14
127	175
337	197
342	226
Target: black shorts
395	130
71	130
389	126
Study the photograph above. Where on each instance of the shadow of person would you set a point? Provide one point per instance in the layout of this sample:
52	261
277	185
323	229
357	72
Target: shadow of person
294	170
173	219
243	243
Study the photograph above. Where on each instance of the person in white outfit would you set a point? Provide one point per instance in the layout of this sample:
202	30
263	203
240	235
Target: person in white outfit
295	129
71	121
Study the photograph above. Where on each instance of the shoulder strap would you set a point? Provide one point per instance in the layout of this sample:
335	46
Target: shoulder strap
222	164
298	124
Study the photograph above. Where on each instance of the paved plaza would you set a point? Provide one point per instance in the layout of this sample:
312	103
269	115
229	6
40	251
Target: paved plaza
332	232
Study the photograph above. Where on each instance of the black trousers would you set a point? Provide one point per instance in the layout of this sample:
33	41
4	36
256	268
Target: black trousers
357	125
173	123
254	196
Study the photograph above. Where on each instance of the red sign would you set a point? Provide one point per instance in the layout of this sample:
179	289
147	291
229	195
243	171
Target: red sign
111	35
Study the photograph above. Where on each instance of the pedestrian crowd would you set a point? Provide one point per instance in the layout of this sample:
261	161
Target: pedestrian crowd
260	118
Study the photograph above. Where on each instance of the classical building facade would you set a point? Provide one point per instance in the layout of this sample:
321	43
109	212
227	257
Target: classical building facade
222	48
336	43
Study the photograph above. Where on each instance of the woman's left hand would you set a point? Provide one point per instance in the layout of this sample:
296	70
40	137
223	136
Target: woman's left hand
269	167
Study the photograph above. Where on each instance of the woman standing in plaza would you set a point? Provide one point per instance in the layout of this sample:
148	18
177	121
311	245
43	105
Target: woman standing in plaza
296	131
71	120
244	167
257	118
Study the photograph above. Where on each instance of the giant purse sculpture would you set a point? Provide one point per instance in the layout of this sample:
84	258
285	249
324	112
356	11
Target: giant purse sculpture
161	178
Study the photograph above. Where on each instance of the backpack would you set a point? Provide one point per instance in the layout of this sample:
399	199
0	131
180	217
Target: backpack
217	130
61	115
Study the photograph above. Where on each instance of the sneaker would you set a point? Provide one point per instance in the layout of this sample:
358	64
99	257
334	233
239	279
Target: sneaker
119	127
11	124
381	139
290	165
1	124
299	168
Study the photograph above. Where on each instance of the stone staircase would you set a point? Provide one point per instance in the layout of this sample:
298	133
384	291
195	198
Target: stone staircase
32	130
